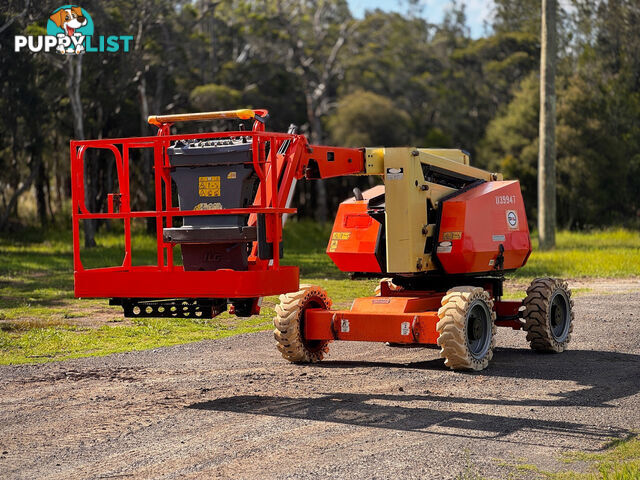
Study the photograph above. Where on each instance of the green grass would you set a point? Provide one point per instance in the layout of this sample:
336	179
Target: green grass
620	460
45	343
41	321
604	254
609	253
519	294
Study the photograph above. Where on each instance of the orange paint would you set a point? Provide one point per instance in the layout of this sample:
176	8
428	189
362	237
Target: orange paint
355	234
378	319
475	223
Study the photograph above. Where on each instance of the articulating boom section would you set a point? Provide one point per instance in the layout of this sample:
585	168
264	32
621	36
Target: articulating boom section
233	190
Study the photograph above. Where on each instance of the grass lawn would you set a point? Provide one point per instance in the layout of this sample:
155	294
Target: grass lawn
609	253
619	460
41	321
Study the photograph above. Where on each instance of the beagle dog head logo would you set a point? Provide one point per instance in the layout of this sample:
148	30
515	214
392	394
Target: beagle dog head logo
70	23
69	19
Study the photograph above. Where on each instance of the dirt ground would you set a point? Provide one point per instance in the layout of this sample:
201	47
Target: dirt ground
234	409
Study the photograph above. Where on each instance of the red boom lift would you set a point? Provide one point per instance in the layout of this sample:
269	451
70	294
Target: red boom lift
440	231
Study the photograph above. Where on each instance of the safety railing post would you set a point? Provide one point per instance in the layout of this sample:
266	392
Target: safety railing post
274	218
125	204
75	221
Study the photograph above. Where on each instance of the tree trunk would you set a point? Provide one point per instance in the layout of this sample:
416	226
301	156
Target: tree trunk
23	187
148	184
74	77
47	184
41	195
547	152
321	212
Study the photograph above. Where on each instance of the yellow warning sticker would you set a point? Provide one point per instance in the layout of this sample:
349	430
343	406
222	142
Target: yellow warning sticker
341	235
209	186
208	206
333	246
452	235
231	175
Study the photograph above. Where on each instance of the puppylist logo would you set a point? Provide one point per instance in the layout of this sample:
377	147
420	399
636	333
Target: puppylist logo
70	32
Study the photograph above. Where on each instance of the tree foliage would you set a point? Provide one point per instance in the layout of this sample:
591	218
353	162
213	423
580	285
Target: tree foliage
385	79
598	127
365	118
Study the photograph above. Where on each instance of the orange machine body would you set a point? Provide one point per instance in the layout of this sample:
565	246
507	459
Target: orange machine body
481	231
355	242
484	230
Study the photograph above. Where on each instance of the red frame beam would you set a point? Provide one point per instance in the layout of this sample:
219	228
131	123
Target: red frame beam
397	319
508	314
142	282
403	317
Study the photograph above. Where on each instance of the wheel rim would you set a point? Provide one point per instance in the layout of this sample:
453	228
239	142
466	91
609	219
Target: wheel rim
478	329
559	316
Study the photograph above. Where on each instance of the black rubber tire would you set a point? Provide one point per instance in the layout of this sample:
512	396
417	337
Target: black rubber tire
548	315
459	314
289	323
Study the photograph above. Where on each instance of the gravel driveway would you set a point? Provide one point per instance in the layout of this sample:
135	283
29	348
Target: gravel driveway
234	409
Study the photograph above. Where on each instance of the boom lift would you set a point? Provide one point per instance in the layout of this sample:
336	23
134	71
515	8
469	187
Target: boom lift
440	231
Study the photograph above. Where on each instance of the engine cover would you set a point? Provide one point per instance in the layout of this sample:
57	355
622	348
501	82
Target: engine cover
357	242
484	229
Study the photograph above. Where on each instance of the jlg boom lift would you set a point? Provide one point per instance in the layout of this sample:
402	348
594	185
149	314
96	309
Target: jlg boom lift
441	232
